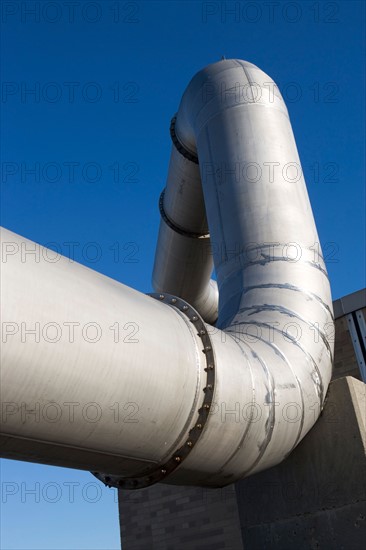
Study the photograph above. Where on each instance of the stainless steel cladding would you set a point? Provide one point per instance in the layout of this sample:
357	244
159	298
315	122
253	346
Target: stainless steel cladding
214	402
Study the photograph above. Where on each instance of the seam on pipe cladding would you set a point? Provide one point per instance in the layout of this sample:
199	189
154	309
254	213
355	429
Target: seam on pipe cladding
318	383
289	313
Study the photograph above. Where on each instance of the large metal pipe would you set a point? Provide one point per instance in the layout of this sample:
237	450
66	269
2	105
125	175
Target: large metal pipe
88	379
216	403
275	300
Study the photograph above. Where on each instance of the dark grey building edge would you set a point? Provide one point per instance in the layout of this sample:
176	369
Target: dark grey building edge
348	304
349	313
316	498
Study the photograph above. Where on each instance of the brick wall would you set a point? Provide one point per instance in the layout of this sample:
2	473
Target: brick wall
167	517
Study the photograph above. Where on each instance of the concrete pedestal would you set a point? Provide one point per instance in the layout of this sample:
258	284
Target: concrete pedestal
316	498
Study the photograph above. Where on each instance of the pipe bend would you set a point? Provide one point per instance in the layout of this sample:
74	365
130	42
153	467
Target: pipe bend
273	339
224	84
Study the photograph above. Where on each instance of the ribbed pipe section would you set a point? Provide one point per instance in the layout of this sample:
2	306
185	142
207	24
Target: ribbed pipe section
183	260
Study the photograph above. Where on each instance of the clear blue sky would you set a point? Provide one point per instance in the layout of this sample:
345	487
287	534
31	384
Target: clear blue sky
108	76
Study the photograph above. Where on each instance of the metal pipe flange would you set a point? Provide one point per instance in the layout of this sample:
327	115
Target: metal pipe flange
175	227
179	146
162	471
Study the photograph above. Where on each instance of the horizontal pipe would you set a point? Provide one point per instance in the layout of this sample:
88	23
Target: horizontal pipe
87	381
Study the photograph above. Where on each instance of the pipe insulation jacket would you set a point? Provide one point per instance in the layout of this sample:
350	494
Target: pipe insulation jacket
181	400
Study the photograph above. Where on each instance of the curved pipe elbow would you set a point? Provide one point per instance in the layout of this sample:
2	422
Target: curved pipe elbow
274	350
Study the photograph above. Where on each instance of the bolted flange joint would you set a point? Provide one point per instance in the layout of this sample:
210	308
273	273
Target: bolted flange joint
160	473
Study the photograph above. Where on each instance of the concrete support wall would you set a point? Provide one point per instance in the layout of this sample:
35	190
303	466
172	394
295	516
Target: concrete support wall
316	498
